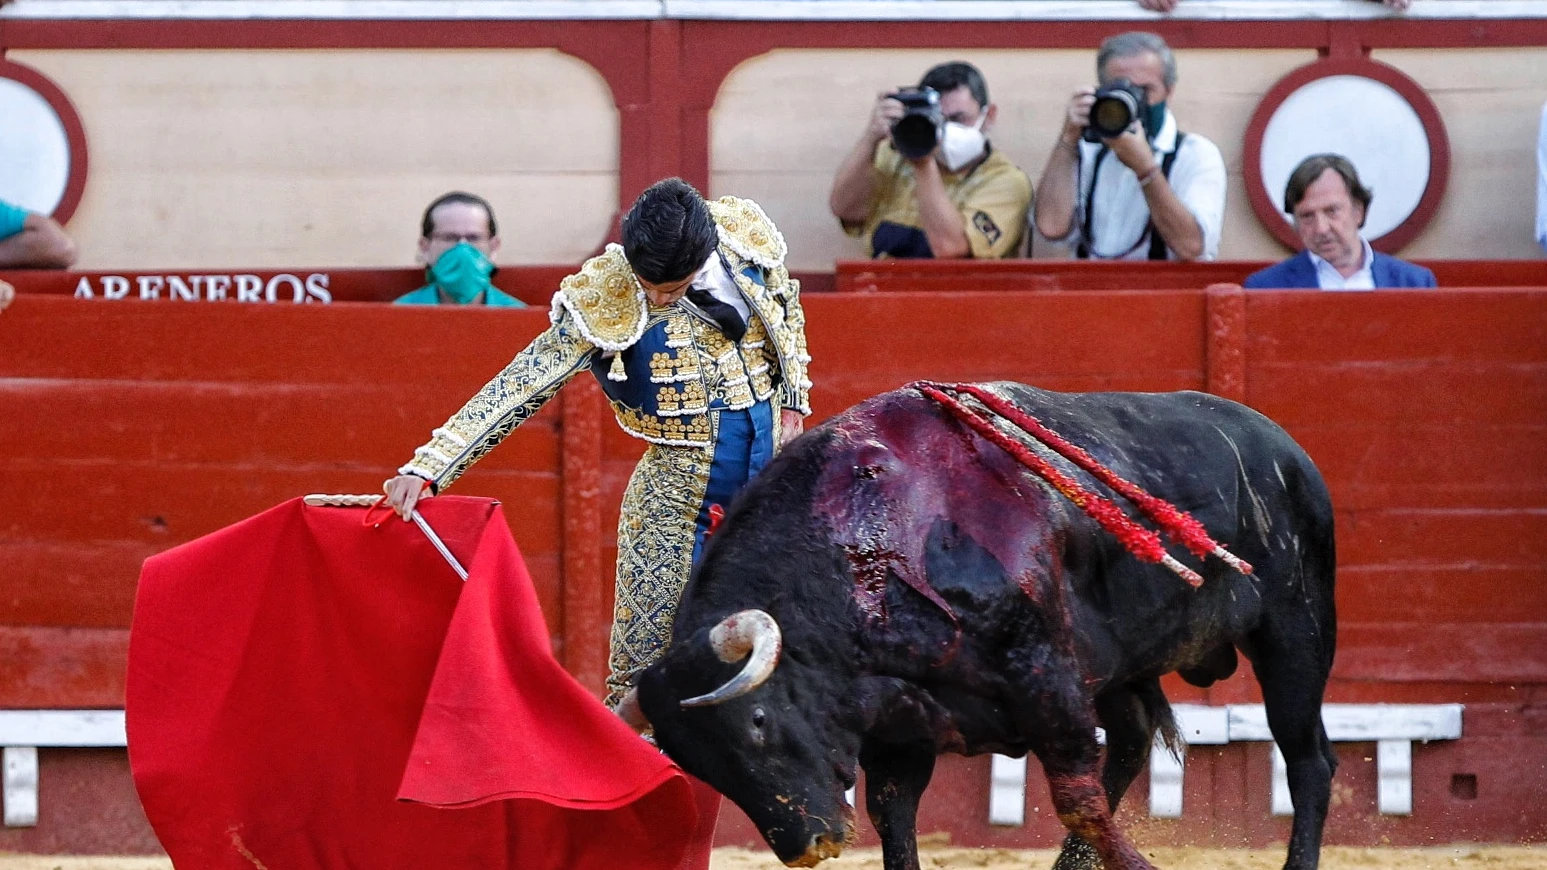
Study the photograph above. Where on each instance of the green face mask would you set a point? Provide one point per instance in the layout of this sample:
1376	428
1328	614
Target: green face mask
1153	119
462	272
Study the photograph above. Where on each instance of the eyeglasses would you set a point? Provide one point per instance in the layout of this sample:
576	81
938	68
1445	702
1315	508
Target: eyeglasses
453	238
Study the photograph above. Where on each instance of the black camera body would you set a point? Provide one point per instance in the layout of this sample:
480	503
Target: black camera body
918	131
1118	104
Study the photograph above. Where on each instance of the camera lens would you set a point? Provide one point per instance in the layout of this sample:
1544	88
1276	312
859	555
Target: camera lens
914	135
1111	116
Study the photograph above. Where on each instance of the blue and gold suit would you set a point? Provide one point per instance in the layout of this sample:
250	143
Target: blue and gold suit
708	406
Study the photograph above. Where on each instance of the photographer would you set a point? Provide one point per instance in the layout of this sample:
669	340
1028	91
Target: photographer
1141	191
955	196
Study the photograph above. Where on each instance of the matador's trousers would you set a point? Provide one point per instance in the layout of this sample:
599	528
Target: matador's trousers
662	528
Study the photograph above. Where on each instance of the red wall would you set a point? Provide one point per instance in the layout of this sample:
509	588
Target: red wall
129	427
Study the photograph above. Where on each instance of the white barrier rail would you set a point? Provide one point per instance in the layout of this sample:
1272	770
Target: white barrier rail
1391	727
22	732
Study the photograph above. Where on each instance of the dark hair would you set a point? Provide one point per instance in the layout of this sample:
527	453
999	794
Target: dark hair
427	224
668	232
948	77
1133	44
1311	169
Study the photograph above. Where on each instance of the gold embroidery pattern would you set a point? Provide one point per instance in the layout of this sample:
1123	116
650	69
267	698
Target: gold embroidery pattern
666	368
747	231
780	316
655	552
513	396
689	399
606	300
687	431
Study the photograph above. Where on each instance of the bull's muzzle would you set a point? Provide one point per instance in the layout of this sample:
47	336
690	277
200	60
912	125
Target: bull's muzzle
750	633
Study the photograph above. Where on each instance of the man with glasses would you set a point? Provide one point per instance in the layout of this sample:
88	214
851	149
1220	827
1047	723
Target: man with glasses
457	246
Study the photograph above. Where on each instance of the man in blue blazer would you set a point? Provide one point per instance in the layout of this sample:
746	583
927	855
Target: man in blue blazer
1328	205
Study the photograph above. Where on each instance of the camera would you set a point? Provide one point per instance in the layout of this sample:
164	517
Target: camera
1118	104
918	131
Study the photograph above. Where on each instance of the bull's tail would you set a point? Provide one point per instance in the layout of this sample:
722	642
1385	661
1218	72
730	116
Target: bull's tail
1157	710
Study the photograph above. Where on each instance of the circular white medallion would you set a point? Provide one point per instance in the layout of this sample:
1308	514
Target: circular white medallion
1364	120
34	149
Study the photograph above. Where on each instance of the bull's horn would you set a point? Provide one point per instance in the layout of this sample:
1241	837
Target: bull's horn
736	634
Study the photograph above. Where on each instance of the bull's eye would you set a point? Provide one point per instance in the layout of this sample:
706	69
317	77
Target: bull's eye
758	738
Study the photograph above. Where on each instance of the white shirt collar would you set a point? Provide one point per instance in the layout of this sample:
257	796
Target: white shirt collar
1329	278
716	278
1165	140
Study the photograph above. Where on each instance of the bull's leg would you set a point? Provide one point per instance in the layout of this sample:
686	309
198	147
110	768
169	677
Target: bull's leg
895	778
1125	713
1293	676
1060	727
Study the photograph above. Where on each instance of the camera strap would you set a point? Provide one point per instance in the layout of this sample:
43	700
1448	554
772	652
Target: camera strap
1086	249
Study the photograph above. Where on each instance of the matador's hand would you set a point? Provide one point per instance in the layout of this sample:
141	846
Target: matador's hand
7	292
403	493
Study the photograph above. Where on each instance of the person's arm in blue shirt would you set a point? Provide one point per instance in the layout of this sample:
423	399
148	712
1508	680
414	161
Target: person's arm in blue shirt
33	241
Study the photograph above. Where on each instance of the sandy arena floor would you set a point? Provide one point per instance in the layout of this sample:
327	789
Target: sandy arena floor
942	857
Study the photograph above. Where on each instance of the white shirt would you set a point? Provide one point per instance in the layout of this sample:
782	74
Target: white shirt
1541	181
716	278
1329	278
1121	214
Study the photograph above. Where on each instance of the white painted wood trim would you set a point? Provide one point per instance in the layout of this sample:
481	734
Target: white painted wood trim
1283	804
1356	722
19	785
78	728
1392	727
758	10
1166	782
1394	776
1007	791
1088	10
1201	725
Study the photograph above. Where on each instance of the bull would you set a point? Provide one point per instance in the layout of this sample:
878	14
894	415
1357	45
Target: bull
893	586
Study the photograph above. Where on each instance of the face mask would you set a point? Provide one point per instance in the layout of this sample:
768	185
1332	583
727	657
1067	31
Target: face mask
462	272
962	144
1154	119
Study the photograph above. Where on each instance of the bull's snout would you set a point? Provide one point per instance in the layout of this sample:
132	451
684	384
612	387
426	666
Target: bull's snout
823	846
828	844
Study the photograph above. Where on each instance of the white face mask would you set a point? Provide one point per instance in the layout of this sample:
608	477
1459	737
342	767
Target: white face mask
962	144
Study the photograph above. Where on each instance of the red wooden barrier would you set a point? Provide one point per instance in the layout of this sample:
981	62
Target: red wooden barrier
871	276
131	427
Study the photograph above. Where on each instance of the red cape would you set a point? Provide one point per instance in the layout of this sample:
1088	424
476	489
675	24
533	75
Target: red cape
307	692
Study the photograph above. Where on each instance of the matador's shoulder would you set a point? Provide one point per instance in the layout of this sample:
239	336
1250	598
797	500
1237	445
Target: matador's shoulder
746	230
605	300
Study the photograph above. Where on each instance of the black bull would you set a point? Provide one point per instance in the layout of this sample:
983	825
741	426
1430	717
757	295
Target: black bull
925	593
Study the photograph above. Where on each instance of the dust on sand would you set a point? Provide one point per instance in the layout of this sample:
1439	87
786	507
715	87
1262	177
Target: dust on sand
939	857
936	856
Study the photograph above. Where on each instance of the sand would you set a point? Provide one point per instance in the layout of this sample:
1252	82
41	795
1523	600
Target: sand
940	857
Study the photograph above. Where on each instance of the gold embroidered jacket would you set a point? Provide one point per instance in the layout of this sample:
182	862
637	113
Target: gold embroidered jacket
665	370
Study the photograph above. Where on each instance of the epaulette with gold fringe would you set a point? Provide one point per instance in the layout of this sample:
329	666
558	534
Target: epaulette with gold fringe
605	300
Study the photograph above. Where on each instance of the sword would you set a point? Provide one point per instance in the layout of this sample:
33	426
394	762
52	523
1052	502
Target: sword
365	501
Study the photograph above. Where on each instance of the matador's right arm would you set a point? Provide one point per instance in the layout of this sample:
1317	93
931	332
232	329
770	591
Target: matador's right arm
515	394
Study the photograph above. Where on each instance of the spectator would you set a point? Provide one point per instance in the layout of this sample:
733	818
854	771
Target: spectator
457	245
1162	197
964	199
1541	181
33	241
1328	205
